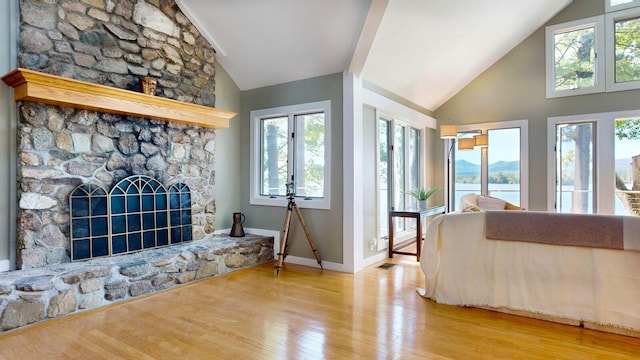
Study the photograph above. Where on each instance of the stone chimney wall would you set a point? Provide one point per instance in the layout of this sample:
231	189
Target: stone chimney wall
115	43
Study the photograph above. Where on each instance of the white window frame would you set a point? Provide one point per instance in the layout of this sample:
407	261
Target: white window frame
610	8
255	198
604	155
401	235
524	157
551	31
610	20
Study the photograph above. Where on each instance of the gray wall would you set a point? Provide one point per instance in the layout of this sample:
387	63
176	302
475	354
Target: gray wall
8	31
514	89
325	225
227	163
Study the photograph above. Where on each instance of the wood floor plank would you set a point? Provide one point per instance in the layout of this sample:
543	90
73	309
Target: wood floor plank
306	313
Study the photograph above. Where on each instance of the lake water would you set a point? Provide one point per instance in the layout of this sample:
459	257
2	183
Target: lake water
511	193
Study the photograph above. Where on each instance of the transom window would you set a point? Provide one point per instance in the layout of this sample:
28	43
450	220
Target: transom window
573	63
597	54
291	144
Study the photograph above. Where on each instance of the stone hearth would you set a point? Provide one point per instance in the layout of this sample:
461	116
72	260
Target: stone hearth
35	295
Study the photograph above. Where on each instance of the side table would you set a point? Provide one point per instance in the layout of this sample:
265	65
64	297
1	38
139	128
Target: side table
419	215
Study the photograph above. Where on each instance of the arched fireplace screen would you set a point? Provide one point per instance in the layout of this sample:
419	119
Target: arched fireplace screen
139	213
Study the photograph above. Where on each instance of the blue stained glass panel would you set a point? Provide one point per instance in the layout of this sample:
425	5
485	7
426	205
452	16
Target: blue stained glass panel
119	244
117	204
133	222
148	221
161	219
186	233
99	206
135	242
186	217
174	200
175	218
185	201
147	202
79	207
163	237
149	239
81	249
133	203
99	226
176	235
132	189
100	247
161	201
118	224
80	228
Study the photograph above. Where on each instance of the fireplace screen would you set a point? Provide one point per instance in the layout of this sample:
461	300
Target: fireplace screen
139	213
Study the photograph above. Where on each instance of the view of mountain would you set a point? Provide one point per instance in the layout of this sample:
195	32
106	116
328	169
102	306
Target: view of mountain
466	167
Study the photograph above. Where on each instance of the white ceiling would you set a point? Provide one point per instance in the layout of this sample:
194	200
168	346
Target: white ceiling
422	50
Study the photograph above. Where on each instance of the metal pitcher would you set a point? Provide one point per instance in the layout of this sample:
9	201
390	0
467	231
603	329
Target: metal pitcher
236	228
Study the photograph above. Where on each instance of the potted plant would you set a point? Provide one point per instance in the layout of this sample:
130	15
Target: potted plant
422	194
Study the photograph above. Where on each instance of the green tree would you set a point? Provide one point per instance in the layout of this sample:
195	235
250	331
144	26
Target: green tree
627	50
629	129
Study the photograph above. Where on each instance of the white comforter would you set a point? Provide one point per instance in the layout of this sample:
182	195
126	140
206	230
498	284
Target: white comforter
462	267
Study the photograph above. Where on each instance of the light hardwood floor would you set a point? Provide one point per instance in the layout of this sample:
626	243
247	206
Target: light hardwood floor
306	314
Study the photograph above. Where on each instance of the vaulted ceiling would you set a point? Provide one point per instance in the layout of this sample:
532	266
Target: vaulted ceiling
424	51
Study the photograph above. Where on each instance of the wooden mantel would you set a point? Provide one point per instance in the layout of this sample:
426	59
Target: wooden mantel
29	85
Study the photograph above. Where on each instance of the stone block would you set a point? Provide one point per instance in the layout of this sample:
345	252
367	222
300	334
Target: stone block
20	313
34	201
207	269
185	277
140	288
150	16
62	304
90	302
90	285
163	281
35	283
134	269
234	261
89	272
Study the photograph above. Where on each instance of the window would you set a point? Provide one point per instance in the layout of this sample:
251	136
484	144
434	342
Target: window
499	170
615	5
399	169
594	166
291	144
572	59
575	166
623	50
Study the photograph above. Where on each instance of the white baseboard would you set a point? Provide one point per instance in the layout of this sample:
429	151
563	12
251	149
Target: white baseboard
5	265
313	263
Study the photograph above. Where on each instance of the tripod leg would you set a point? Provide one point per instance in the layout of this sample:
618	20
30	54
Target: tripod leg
283	242
306	232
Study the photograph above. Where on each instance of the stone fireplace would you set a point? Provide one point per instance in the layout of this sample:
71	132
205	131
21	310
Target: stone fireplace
60	148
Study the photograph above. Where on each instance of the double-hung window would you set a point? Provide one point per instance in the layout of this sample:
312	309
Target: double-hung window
291	154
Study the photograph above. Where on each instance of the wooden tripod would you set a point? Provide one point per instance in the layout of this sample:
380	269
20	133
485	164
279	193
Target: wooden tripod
285	234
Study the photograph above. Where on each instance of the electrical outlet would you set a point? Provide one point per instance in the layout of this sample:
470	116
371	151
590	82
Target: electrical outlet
383	244
373	244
